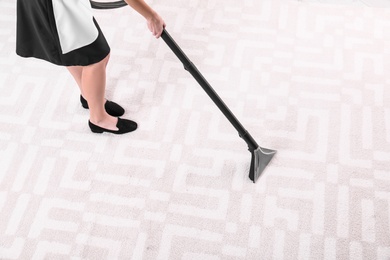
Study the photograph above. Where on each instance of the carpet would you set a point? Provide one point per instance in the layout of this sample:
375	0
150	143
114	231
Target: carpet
309	80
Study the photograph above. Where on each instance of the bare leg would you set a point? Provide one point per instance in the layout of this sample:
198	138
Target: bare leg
91	80
77	73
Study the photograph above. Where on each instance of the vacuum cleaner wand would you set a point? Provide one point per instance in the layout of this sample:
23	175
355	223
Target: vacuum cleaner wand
260	156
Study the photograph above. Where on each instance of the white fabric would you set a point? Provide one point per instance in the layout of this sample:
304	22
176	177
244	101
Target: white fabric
74	21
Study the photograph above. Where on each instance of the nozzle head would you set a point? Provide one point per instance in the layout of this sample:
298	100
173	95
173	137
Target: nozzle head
261	157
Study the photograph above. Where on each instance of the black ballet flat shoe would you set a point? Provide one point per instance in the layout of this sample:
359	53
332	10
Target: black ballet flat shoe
112	108
123	125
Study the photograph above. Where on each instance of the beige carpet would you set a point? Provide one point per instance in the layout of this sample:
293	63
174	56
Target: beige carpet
311	81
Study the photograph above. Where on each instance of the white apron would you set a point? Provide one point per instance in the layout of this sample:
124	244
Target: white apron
74	22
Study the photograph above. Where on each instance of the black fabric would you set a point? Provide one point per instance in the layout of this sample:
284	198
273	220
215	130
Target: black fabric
36	36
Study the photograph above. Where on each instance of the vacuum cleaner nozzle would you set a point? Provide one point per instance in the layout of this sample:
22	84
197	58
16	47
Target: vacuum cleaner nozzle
260	159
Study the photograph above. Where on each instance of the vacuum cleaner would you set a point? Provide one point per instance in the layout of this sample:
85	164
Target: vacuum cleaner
260	157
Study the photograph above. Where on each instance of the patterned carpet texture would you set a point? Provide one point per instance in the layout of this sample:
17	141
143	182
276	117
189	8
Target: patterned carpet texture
309	80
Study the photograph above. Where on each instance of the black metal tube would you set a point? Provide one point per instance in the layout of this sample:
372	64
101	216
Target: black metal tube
191	68
107	5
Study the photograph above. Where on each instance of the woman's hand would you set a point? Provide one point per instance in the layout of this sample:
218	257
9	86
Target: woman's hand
156	25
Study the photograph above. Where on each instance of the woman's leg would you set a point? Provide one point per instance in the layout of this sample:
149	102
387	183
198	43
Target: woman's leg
77	73
91	80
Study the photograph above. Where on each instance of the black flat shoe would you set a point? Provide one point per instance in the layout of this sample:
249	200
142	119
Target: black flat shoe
112	108
123	125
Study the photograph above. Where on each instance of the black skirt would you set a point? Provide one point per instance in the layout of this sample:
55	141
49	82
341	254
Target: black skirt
37	37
